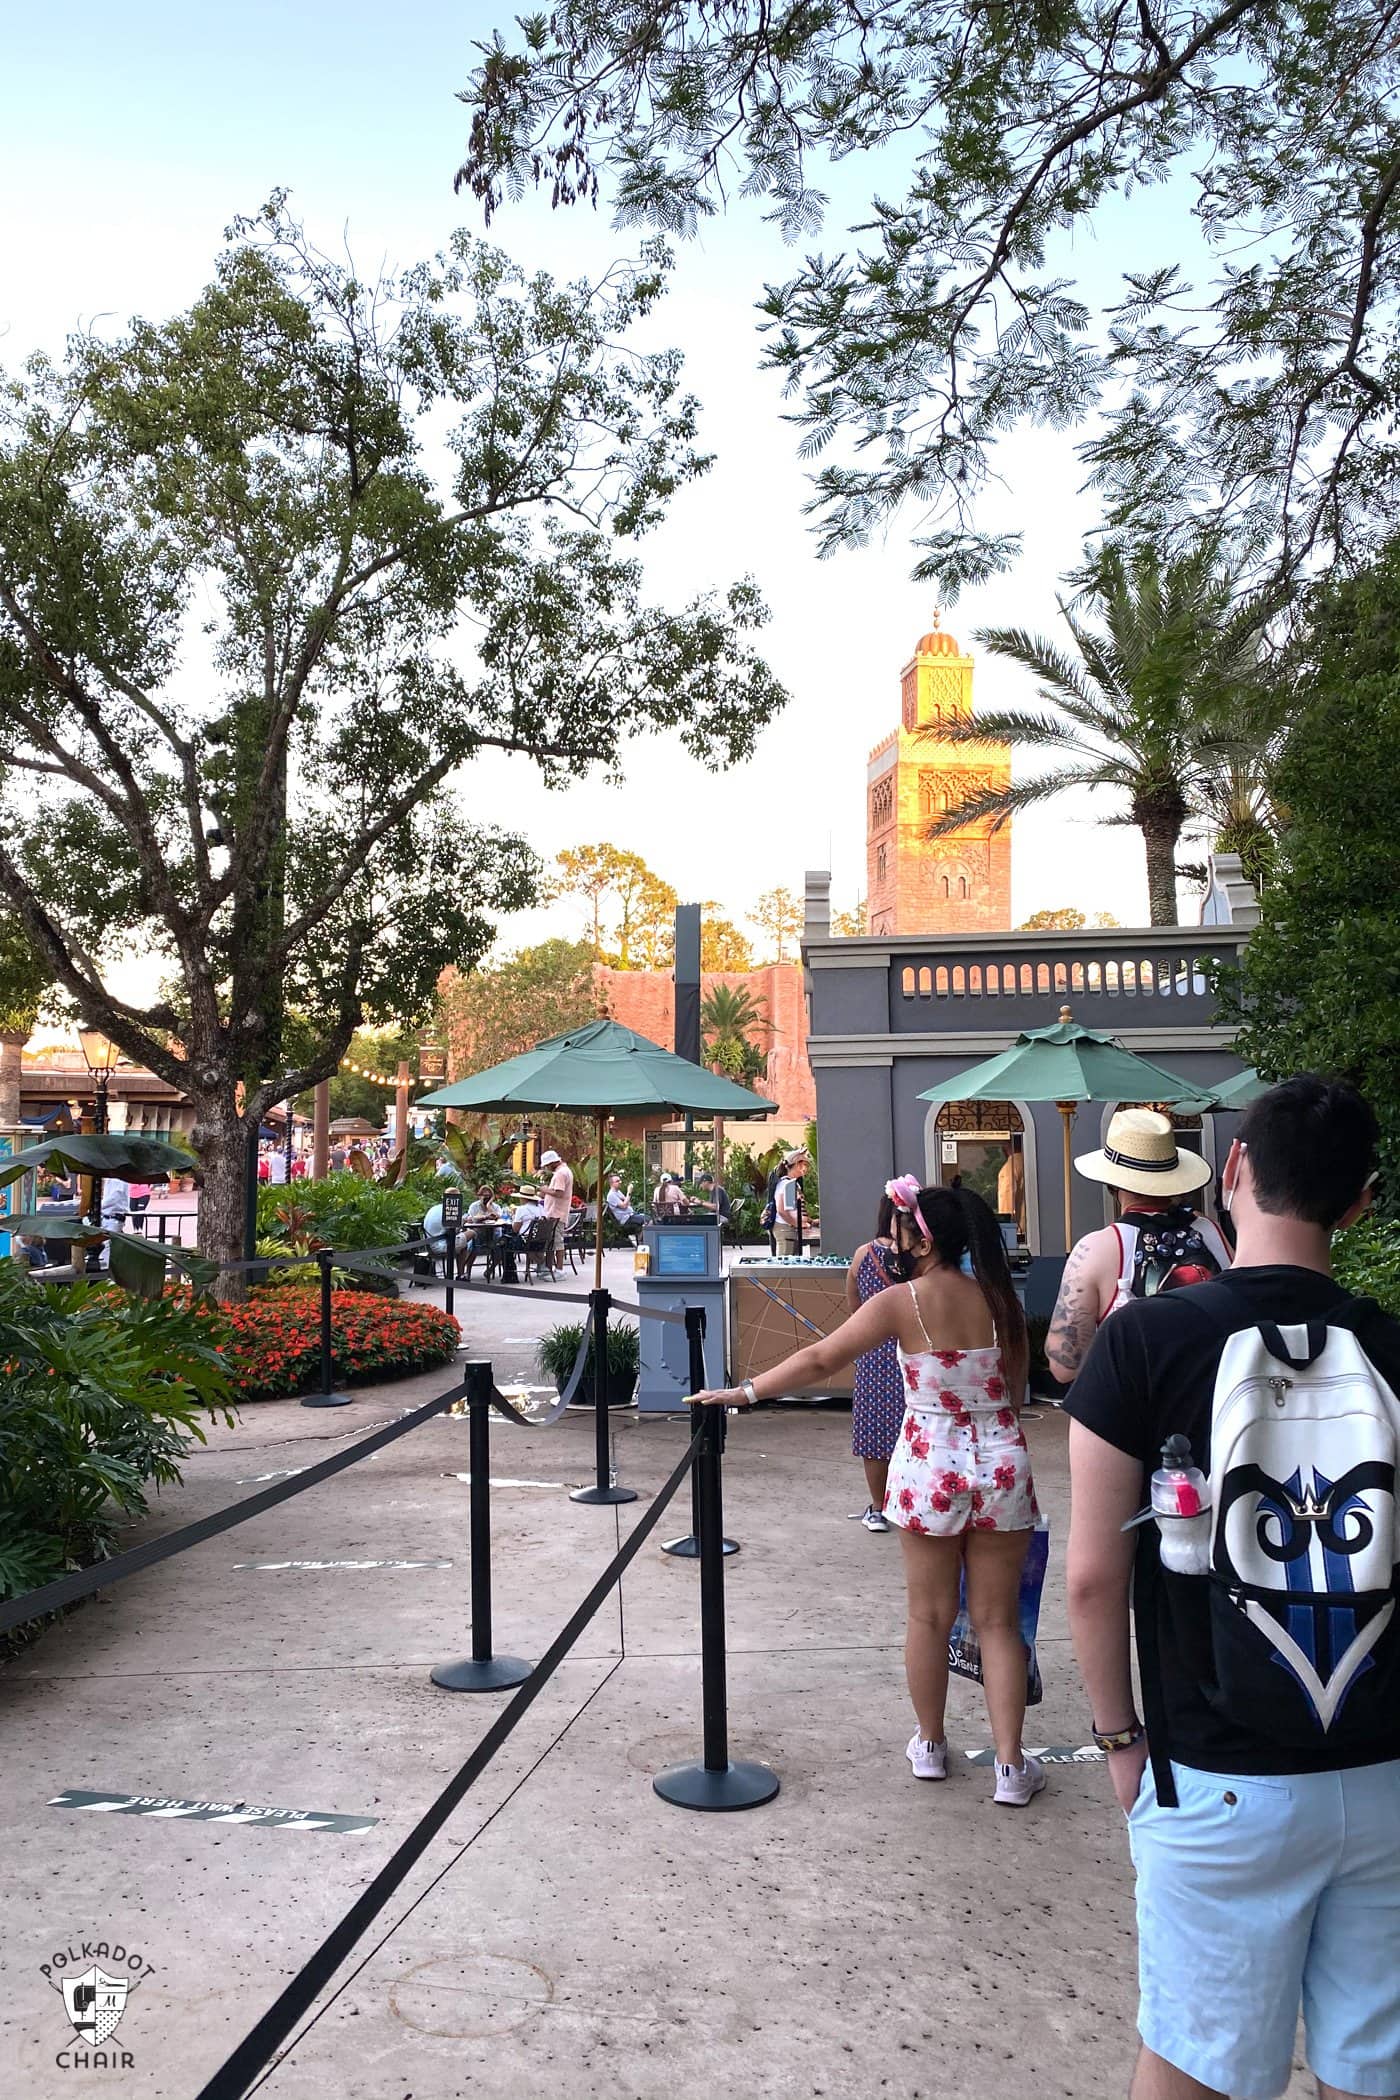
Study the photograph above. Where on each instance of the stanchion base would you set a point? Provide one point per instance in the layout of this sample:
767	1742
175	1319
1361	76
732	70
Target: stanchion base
688	1548
738	1786
327	1399
497	1674
608	1494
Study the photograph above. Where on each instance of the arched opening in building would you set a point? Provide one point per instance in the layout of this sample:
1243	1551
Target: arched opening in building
990	1145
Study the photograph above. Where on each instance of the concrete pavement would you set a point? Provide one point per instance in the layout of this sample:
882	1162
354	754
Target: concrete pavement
860	1936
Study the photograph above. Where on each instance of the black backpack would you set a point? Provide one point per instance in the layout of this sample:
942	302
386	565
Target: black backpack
1304	1644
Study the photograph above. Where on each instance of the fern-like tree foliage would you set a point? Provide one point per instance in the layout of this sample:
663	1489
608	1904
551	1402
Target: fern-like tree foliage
1158	700
1247	369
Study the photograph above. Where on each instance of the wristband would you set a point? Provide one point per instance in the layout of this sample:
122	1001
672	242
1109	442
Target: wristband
1118	1738
746	1387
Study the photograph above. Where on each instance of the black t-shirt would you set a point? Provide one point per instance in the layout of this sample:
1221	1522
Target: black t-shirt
1151	1374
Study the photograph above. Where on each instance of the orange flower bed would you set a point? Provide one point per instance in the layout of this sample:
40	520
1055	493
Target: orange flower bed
272	1345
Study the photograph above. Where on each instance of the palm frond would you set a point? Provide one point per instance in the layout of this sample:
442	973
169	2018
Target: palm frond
1001	804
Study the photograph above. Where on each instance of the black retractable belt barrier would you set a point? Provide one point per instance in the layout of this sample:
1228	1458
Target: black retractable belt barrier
715	1783
688	1548
603	1488
481	1671
327	1397
236	2074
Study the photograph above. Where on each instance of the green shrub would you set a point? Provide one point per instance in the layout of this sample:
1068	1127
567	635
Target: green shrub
101	1394
342	1211
558	1349
1367	1260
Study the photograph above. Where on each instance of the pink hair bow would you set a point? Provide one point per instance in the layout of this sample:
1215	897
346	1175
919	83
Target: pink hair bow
904	1195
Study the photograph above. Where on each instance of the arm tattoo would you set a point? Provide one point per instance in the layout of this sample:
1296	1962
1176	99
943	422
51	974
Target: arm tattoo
1076	1318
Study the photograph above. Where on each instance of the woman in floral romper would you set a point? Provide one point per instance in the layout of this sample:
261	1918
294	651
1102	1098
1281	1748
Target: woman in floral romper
959	1485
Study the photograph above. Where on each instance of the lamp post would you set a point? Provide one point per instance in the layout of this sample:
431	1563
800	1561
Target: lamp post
100	1055
432	1063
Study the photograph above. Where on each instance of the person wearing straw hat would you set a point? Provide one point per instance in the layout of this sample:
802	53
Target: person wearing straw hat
558	1201
1158	1242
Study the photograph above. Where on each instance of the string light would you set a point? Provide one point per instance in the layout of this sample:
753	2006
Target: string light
348	1064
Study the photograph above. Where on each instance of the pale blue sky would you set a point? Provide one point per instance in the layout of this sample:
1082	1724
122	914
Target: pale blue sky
129	137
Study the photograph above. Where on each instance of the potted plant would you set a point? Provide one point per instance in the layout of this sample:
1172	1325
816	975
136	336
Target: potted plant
559	1348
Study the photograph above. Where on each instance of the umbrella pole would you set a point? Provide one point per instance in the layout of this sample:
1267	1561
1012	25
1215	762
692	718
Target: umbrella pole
1066	1109
598	1206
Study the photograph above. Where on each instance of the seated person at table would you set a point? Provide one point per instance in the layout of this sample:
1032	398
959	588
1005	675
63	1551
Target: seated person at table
486	1211
528	1208
618	1204
669	1199
713	1195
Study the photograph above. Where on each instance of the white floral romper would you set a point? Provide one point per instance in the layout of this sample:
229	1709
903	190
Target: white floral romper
961	1462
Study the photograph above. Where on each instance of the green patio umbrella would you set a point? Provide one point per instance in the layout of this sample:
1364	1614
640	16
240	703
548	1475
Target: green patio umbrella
599	1070
1065	1064
1239	1092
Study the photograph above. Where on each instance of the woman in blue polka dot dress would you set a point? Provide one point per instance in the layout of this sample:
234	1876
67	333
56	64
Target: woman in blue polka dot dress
877	1403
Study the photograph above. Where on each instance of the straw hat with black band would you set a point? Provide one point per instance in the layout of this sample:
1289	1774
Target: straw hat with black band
1142	1156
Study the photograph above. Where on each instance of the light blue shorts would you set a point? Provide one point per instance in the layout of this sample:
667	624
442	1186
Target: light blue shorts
1258	1896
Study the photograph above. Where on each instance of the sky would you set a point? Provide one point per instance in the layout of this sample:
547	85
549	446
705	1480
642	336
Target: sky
130	137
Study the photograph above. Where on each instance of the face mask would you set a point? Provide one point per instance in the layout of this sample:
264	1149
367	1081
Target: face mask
897	1264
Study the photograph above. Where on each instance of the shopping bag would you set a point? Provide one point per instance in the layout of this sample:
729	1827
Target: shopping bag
964	1652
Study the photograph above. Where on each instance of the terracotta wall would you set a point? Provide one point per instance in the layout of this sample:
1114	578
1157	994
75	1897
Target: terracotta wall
646	1000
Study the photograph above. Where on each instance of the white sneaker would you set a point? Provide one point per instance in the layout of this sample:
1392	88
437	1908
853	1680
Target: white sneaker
929	1760
1016	1788
875	1519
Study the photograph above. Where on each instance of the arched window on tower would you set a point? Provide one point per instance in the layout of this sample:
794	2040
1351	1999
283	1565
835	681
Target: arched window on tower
882	864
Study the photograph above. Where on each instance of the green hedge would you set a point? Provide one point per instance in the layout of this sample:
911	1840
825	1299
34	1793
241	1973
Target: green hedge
1367	1260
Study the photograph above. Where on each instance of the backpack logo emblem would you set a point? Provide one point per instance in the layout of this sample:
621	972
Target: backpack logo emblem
1312	1543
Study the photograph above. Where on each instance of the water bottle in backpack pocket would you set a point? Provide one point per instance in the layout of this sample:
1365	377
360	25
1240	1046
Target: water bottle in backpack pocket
1304	1541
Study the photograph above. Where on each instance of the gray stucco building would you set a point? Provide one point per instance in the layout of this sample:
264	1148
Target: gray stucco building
889	1017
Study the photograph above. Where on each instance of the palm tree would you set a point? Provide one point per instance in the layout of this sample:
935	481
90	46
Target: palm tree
729	1015
1155	700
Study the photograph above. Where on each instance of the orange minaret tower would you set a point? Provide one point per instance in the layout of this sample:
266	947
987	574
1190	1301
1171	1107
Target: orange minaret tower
915	884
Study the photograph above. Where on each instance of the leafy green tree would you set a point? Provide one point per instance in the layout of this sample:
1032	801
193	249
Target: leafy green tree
1262	394
252	633
1319	984
496	1011
1140	705
730	1019
24	980
849	925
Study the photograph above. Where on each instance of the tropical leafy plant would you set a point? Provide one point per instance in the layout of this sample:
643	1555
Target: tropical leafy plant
343	1211
1149	703
101	1396
730	1017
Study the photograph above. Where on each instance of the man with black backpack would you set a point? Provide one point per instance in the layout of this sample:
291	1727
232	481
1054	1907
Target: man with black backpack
1263	1794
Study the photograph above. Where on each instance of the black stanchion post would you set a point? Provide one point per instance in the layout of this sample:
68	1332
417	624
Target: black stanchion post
688	1548
602	1489
715	1783
327	1397
451	1219
481	1671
